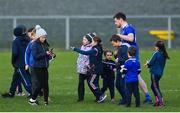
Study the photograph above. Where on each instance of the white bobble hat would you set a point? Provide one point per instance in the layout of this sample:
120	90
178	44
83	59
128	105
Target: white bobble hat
40	31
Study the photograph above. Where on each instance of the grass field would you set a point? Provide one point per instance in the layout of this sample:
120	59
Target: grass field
63	87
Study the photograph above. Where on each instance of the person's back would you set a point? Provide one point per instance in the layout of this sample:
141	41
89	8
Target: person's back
129	28
122	54
95	61
157	63
133	67
19	47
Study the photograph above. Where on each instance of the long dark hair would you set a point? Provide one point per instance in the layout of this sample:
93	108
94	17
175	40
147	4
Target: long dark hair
161	47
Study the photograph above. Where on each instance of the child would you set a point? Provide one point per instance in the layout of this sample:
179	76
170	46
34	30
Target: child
82	65
95	67
156	65
108	73
131	69
121	58
41	56
18	54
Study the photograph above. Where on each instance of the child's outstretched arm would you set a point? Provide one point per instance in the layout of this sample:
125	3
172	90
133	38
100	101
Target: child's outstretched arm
90	52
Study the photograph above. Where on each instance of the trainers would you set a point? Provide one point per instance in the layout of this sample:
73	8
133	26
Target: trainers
29	95
20	94
46	103
33	102
112	100
102	98
7	95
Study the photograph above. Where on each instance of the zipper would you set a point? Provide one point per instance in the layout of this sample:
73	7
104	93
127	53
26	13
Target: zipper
45	56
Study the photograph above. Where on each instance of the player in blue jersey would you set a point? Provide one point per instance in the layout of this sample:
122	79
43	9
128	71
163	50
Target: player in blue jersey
131	69
128	35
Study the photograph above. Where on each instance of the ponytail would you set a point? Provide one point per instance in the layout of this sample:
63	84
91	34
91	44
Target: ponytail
161	46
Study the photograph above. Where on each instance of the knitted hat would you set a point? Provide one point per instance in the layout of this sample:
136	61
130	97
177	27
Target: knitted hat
90	36
40	31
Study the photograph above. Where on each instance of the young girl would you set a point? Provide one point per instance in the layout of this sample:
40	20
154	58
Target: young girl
82	64
41	56
156	65
95	67
108	75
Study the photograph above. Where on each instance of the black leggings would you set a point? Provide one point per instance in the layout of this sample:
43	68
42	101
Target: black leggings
155	86
81	86
40	81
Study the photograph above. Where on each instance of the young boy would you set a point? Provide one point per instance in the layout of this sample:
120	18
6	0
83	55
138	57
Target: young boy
131	69
121	58
18	54
108	73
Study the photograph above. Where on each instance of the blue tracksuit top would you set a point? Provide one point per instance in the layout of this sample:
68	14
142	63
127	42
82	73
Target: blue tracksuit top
95	58
157	63
129	28
28	55
18	51
131	70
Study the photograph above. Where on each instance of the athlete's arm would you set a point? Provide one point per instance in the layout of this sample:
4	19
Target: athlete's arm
129	37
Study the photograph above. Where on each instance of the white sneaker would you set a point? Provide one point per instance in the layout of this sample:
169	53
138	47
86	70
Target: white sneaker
102	98
33	102
20	94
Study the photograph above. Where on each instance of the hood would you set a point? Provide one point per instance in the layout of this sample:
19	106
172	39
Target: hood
20	30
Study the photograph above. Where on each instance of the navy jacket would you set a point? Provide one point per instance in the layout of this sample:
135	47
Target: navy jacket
108	68
18	51
41	59
122	55
157	63
95	58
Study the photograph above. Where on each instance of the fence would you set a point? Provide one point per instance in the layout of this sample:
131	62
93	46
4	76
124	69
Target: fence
68	27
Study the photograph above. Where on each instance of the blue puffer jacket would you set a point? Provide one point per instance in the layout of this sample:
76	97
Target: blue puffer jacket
39	53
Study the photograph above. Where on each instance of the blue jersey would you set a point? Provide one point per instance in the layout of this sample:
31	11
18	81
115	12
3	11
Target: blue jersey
131	70
127	30
157	63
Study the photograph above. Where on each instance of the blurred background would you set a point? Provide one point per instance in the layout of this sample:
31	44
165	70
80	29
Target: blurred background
67	21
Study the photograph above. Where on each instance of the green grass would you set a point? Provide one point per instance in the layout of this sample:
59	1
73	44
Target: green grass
63	87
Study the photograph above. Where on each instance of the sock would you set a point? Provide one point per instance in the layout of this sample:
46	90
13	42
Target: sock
148	97
157	99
